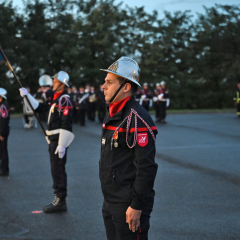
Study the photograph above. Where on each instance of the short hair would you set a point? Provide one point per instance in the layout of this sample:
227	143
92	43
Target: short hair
134	86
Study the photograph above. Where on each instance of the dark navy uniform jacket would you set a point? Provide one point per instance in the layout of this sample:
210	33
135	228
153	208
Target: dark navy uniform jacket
127	174
60	118
4	121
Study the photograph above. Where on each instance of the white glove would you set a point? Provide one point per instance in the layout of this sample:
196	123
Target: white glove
150	104
168	102
155	99
143	96
23	92
160	96
61	151
33	101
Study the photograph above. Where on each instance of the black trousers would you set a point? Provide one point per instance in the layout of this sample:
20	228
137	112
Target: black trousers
145	104
58	171
4	155
81	116
114	216
75	115
101	113
91	111
156	106
162	110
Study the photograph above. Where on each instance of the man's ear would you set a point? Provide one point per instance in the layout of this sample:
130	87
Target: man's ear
127	87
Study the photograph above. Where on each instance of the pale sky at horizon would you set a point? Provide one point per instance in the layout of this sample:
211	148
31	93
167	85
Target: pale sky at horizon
167	5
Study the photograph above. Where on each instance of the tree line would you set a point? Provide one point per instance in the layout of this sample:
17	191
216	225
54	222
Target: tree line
197	56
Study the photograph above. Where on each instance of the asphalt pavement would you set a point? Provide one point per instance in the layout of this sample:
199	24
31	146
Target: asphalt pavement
197	185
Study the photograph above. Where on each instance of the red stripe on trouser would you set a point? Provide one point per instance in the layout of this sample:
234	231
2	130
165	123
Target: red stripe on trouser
138	234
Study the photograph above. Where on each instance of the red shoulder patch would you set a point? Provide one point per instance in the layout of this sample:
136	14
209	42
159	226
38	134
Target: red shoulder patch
65	112
4	114
142	139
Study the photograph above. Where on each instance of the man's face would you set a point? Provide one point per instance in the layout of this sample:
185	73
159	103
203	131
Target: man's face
56	84
92	89
145	87
74	89
163	86
81	89
110	87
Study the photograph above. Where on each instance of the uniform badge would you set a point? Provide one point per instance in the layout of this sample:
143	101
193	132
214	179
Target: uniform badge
142	139
4	114
103	141
115	138
65	112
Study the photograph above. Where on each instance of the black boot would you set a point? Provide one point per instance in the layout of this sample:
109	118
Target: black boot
4	173
58	205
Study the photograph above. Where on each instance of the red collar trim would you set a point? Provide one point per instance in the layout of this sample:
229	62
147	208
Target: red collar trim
57	95
116	107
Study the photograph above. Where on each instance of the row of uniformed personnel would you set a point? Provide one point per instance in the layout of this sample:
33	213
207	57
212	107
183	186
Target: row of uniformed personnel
159	100
127	167
85	102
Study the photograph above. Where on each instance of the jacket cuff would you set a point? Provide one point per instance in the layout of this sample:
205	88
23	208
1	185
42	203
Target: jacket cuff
136	205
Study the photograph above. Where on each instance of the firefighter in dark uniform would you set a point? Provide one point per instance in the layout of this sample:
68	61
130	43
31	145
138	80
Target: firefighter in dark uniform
59	136
4	133
138	95
45	82
127	167
146	97
92	104
164	102
156	101
82	105
73	97
237	100
101	104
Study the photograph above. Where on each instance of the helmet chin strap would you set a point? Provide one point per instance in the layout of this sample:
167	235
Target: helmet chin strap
116	93
58	86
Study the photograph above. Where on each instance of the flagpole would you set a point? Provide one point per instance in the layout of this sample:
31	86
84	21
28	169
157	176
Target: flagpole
15	76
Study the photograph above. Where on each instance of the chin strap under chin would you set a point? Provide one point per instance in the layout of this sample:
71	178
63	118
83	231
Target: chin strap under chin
58	87
116	93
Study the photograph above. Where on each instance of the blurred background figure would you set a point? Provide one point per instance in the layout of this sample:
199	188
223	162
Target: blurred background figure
138	95
44	93
87	88
237	100
164	102
146	97
4	133
101	104
73	98
92	104
29	120
69	90
157	91
82	105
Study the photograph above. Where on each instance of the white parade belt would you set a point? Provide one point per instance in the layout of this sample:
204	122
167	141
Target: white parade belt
52	132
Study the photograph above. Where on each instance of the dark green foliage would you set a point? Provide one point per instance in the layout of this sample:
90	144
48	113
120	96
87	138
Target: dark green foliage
199	57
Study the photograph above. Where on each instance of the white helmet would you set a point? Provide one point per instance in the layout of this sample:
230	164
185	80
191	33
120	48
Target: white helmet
45	80
145	84
162	83
62	77
157	84
3	93
127	68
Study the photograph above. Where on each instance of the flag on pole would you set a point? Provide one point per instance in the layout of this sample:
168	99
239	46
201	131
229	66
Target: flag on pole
1	58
